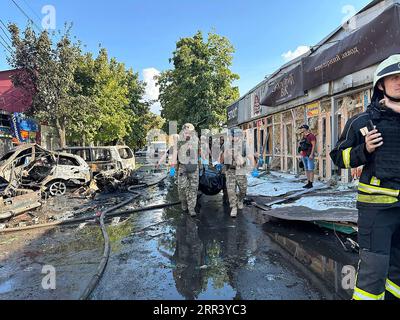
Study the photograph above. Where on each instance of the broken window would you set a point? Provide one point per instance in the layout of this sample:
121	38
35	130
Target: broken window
289	140
324	136
290	164
39	152
269	141
102	155
125	153
83	153
67	161
277	140
325	106
6	157
276	164
262	138
354	104
24	158
255	140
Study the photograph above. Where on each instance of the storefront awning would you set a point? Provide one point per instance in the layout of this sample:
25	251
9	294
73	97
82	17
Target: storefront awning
285	88
363	48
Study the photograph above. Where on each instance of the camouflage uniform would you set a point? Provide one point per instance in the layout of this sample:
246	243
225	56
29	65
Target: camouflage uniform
236	177
235	180
188	185
188	180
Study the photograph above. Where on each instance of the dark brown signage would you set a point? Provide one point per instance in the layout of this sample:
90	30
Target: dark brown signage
285	88
233	114
365	47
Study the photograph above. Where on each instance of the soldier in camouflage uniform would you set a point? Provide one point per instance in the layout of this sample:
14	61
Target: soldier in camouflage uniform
236	169
188	169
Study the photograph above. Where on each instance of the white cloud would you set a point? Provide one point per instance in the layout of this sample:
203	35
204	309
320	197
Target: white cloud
152	91
156	108
288	56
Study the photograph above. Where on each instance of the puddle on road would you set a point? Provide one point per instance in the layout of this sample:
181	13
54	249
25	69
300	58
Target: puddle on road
202	258
210	257
214	257
316	252
221	246
7	286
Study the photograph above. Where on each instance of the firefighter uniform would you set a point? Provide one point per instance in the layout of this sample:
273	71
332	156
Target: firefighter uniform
378	276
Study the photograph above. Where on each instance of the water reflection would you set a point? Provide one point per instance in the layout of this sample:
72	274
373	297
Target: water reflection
212	255
323	259
204	250
189	257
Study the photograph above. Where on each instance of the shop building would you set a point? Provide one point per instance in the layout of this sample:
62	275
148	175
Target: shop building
323	88
15	127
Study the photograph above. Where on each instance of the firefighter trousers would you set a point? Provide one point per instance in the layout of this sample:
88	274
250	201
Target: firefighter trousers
378	276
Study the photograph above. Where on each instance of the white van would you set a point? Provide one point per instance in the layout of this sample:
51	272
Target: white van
105	158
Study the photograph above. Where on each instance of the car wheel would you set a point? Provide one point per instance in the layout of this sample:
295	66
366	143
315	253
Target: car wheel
57	188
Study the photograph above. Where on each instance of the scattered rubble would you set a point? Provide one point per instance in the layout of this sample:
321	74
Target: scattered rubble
115	180
21	201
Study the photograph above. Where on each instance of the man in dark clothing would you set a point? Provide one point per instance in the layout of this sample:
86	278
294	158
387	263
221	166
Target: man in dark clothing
372	139
307	150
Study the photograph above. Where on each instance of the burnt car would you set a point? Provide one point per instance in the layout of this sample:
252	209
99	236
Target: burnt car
108	158
30	166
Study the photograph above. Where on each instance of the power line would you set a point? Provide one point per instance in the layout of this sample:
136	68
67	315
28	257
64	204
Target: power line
26	15
8	44
33	22
1	21
5	41
4	31
6	47
31	9
36	14
9	49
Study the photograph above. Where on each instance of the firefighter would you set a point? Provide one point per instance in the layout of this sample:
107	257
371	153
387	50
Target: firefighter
372	139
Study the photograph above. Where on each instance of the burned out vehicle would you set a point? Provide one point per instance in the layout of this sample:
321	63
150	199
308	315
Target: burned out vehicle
105	158
30	166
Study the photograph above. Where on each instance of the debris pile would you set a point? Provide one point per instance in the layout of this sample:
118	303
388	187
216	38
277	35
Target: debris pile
116	180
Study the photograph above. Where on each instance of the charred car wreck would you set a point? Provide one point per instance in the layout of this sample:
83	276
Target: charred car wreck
30	166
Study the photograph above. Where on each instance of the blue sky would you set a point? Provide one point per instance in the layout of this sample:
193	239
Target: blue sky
142	34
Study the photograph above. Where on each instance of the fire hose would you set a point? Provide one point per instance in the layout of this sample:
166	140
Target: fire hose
101	216
106	253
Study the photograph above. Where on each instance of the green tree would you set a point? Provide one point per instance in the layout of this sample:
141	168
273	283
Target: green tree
48	74
199	87
88	99
117	93
143	122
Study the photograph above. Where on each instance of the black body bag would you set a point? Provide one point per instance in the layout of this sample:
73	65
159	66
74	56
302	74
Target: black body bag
211	182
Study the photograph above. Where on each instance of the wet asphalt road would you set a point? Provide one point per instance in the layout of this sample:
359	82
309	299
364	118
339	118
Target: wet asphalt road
167	255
